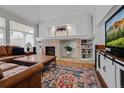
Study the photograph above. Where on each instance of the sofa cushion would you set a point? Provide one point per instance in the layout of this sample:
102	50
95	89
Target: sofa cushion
9	58
18	51
1	62
9	49
14	76
8	66
18	75
14	71
1	74
3	58
3	51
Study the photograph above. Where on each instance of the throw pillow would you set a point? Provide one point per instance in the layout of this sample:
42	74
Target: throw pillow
9	49
3	51
18	51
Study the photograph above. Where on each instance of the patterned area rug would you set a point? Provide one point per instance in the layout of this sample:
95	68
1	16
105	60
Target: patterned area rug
69	77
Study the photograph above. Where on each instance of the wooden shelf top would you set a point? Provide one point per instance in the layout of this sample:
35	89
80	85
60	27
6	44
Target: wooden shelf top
111	56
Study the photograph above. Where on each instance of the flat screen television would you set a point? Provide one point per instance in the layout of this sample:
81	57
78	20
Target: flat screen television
114	32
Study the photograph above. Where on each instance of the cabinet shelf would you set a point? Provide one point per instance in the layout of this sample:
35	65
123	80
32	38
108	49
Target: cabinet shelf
86	49
86	44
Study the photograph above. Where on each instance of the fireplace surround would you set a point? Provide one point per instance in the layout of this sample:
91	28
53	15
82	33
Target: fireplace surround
50	50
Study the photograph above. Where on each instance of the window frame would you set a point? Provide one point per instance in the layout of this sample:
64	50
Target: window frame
24	32
4	32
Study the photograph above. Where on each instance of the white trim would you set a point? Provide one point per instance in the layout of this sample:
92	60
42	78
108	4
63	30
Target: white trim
21	31
69	37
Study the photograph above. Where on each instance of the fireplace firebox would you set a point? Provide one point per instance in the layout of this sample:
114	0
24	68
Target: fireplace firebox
50	50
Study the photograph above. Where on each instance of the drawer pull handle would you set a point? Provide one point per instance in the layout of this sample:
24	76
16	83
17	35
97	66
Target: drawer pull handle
104	68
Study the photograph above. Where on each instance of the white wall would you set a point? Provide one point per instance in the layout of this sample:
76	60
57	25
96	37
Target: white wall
83	24
13	17
100	23
101	11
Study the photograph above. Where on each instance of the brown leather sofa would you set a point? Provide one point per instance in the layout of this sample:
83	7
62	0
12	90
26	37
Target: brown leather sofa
6	53
15	75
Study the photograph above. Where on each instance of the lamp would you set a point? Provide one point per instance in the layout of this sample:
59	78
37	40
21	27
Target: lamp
28	47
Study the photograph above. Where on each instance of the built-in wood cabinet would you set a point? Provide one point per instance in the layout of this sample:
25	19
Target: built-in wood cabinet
106	68
110	68
110	73
120	74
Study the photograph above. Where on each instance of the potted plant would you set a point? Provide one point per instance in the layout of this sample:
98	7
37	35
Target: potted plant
68	49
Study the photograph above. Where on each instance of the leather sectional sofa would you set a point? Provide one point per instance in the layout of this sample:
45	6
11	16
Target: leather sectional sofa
7	53
16	75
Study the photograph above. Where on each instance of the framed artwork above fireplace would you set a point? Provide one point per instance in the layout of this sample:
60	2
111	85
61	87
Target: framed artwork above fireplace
61	31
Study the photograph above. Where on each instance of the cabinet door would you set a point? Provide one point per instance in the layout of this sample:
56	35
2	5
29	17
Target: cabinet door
103	67
98	66
119	75
110	73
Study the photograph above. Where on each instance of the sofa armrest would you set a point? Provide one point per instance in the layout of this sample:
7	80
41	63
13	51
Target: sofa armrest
21	73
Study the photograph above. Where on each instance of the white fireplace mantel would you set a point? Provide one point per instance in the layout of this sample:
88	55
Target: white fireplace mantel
67	37
60	42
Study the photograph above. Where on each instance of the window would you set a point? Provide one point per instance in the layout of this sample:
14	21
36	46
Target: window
2	30
21	34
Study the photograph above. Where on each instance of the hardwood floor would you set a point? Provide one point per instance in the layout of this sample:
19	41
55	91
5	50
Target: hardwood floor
76	64
103	84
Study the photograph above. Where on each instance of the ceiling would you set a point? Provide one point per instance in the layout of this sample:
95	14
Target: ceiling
38	13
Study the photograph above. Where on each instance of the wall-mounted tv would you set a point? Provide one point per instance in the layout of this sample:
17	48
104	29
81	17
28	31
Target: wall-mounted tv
114	26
